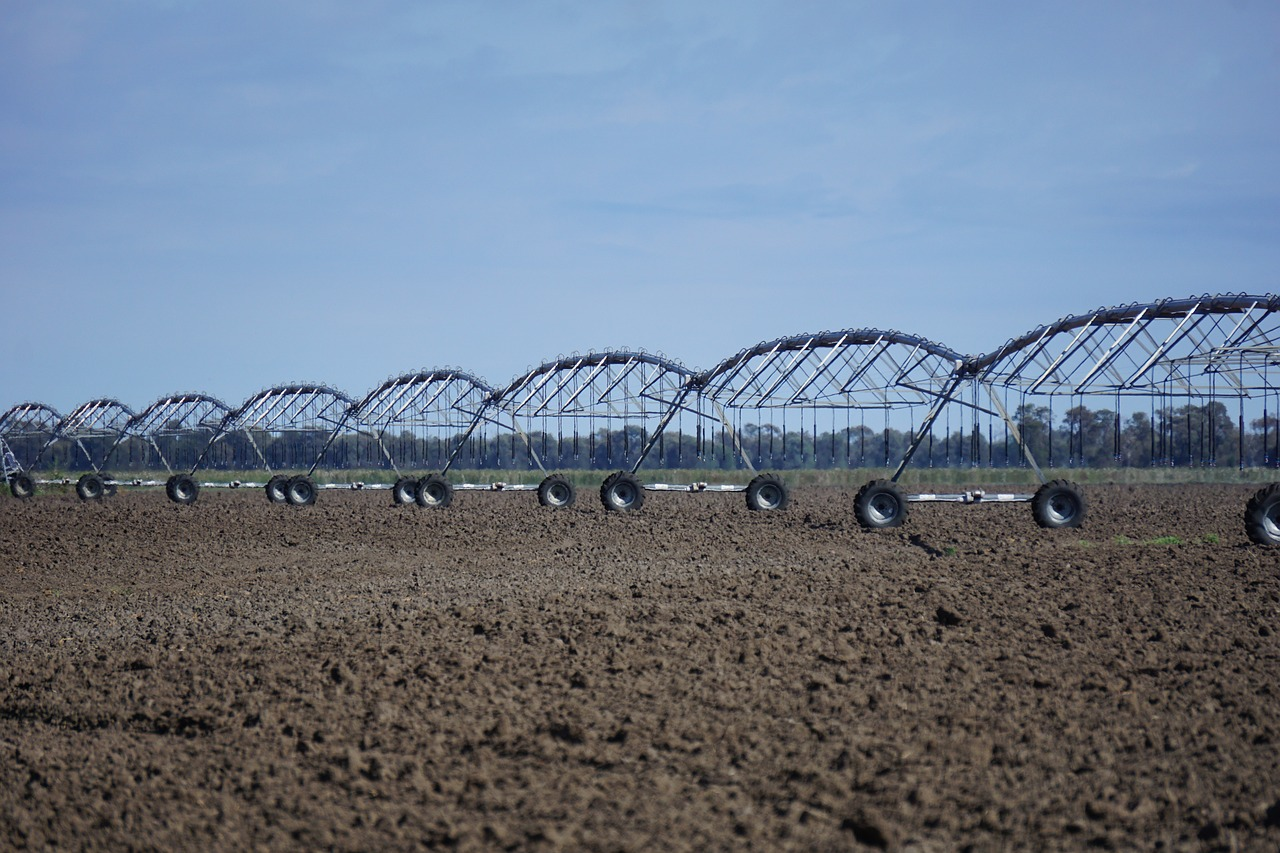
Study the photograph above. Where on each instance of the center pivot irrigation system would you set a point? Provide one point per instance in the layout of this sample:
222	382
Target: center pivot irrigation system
634	413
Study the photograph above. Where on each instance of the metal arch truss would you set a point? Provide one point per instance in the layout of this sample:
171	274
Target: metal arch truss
29	428
285	427
417	419
1208	345
855	368
614	406
94	428
177	428
623	400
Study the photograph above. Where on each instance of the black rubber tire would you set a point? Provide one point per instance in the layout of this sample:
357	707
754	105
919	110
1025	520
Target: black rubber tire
434	492
556	492
880	504
405	491
182	489
767	493
277	489
90	487
108	485
21	486
621	492
1058	504
300	491
1262	516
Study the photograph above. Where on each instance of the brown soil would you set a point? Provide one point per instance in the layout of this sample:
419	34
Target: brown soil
695	676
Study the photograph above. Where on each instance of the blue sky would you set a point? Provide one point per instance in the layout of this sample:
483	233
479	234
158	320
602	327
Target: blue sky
219	197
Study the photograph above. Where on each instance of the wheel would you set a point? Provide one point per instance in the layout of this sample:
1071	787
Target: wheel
434	491
108	485
182	489
89	487
1058	503
1262	516
767	492
556	492
621	492
22	486
880	504
276	489
300	491
404	491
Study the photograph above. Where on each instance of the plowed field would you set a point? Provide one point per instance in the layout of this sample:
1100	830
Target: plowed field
355	675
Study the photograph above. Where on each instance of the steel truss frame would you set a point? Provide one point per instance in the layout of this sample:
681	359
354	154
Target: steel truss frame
854	368
29	428
1208	346
101	422
172	420
617	396
851	369
1219	345
270	414
442	405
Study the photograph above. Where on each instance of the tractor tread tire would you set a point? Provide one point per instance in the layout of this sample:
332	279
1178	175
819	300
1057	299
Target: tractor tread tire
880	504
300	491
90	487
621	492
1058	504
434	492
767	493
21	486
556	492
1262	516
276	489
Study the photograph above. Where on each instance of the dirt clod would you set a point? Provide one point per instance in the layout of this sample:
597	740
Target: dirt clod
947	618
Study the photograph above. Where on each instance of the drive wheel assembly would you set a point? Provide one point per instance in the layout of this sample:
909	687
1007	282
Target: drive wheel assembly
182	489
405	491
300	491
21	486
276	489
90	487
621	492
434	492
556	492
880	504
1058	503
767	492
1262	516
